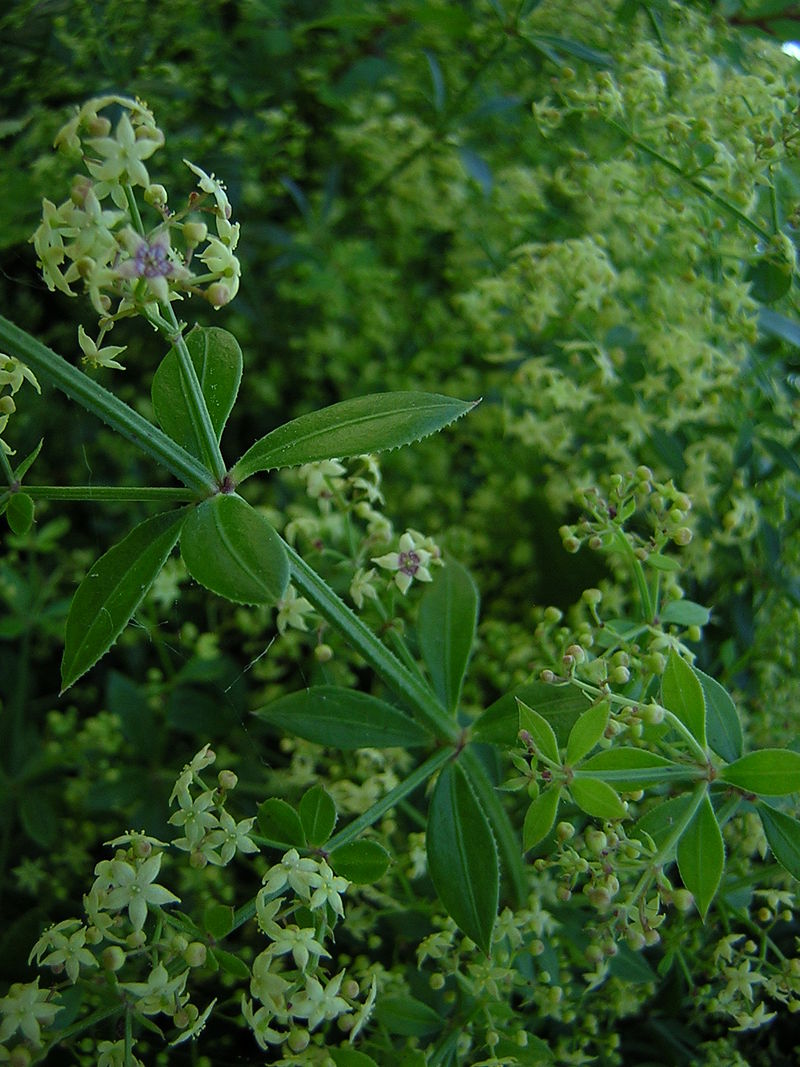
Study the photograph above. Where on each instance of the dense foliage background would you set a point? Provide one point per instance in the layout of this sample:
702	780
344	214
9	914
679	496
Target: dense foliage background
583	213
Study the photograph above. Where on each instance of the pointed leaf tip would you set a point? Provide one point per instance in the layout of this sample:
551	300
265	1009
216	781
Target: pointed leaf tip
112	591
365	424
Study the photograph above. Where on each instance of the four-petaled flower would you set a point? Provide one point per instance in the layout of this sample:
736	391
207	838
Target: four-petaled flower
134	888
122	155
152	261
230	837
409	563
302	875
26	1008
317	1004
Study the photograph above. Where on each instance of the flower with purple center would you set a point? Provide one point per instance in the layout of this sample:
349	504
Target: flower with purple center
410	563
152	261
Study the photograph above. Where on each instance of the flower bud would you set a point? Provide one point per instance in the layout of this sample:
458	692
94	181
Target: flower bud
7	405
298	1040
218	294
195	954
99	126
136	939
113	958
682	536
194	233
227	780
155	195
323	653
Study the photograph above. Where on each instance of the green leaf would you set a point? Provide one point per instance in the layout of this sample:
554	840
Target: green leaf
347	1056
660	821
230	963
317	814
407	1016
24	465
540	817
701	856
278	821
662	563
512	869
544	740
597	798
217	359
561	705
783	836
20	513
462	856
769	281
343	718
361	862
448	616
366	424
723	726
550	43
233	551
685	613
770	772
218	920
631	768
586	732
682	694
113	589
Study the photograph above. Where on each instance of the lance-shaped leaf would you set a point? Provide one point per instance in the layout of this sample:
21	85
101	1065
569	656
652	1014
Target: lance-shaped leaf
783	836
343	718
723	726
462	856
701	856
561	705
317	814
113	589
597	798
682	694
448	616
632	768
770	772
233	551
540	817
662	822
366	424
587	731
541	732
217	359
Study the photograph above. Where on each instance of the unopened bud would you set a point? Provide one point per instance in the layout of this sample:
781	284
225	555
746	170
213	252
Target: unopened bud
113	958
155	195
195	954
227	780
194	232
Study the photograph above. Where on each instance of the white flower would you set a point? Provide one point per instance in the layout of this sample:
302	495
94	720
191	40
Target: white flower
409	563
316	1003
99	357
134	888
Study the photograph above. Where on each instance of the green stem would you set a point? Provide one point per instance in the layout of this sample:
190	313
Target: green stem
110	492
391	799
122	418
192	392
696	183
353	829
638	574
398	677
195	401
664	854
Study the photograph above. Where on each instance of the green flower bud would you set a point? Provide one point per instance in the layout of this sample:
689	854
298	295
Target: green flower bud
298	1040
227	780
113	958
194	233
683	535
323	653
156	195
195	954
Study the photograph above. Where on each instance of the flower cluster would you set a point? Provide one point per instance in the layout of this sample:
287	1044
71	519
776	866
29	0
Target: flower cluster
290	994
12	374
210	833
97	236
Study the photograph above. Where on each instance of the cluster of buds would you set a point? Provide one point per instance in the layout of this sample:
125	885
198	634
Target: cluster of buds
97	237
